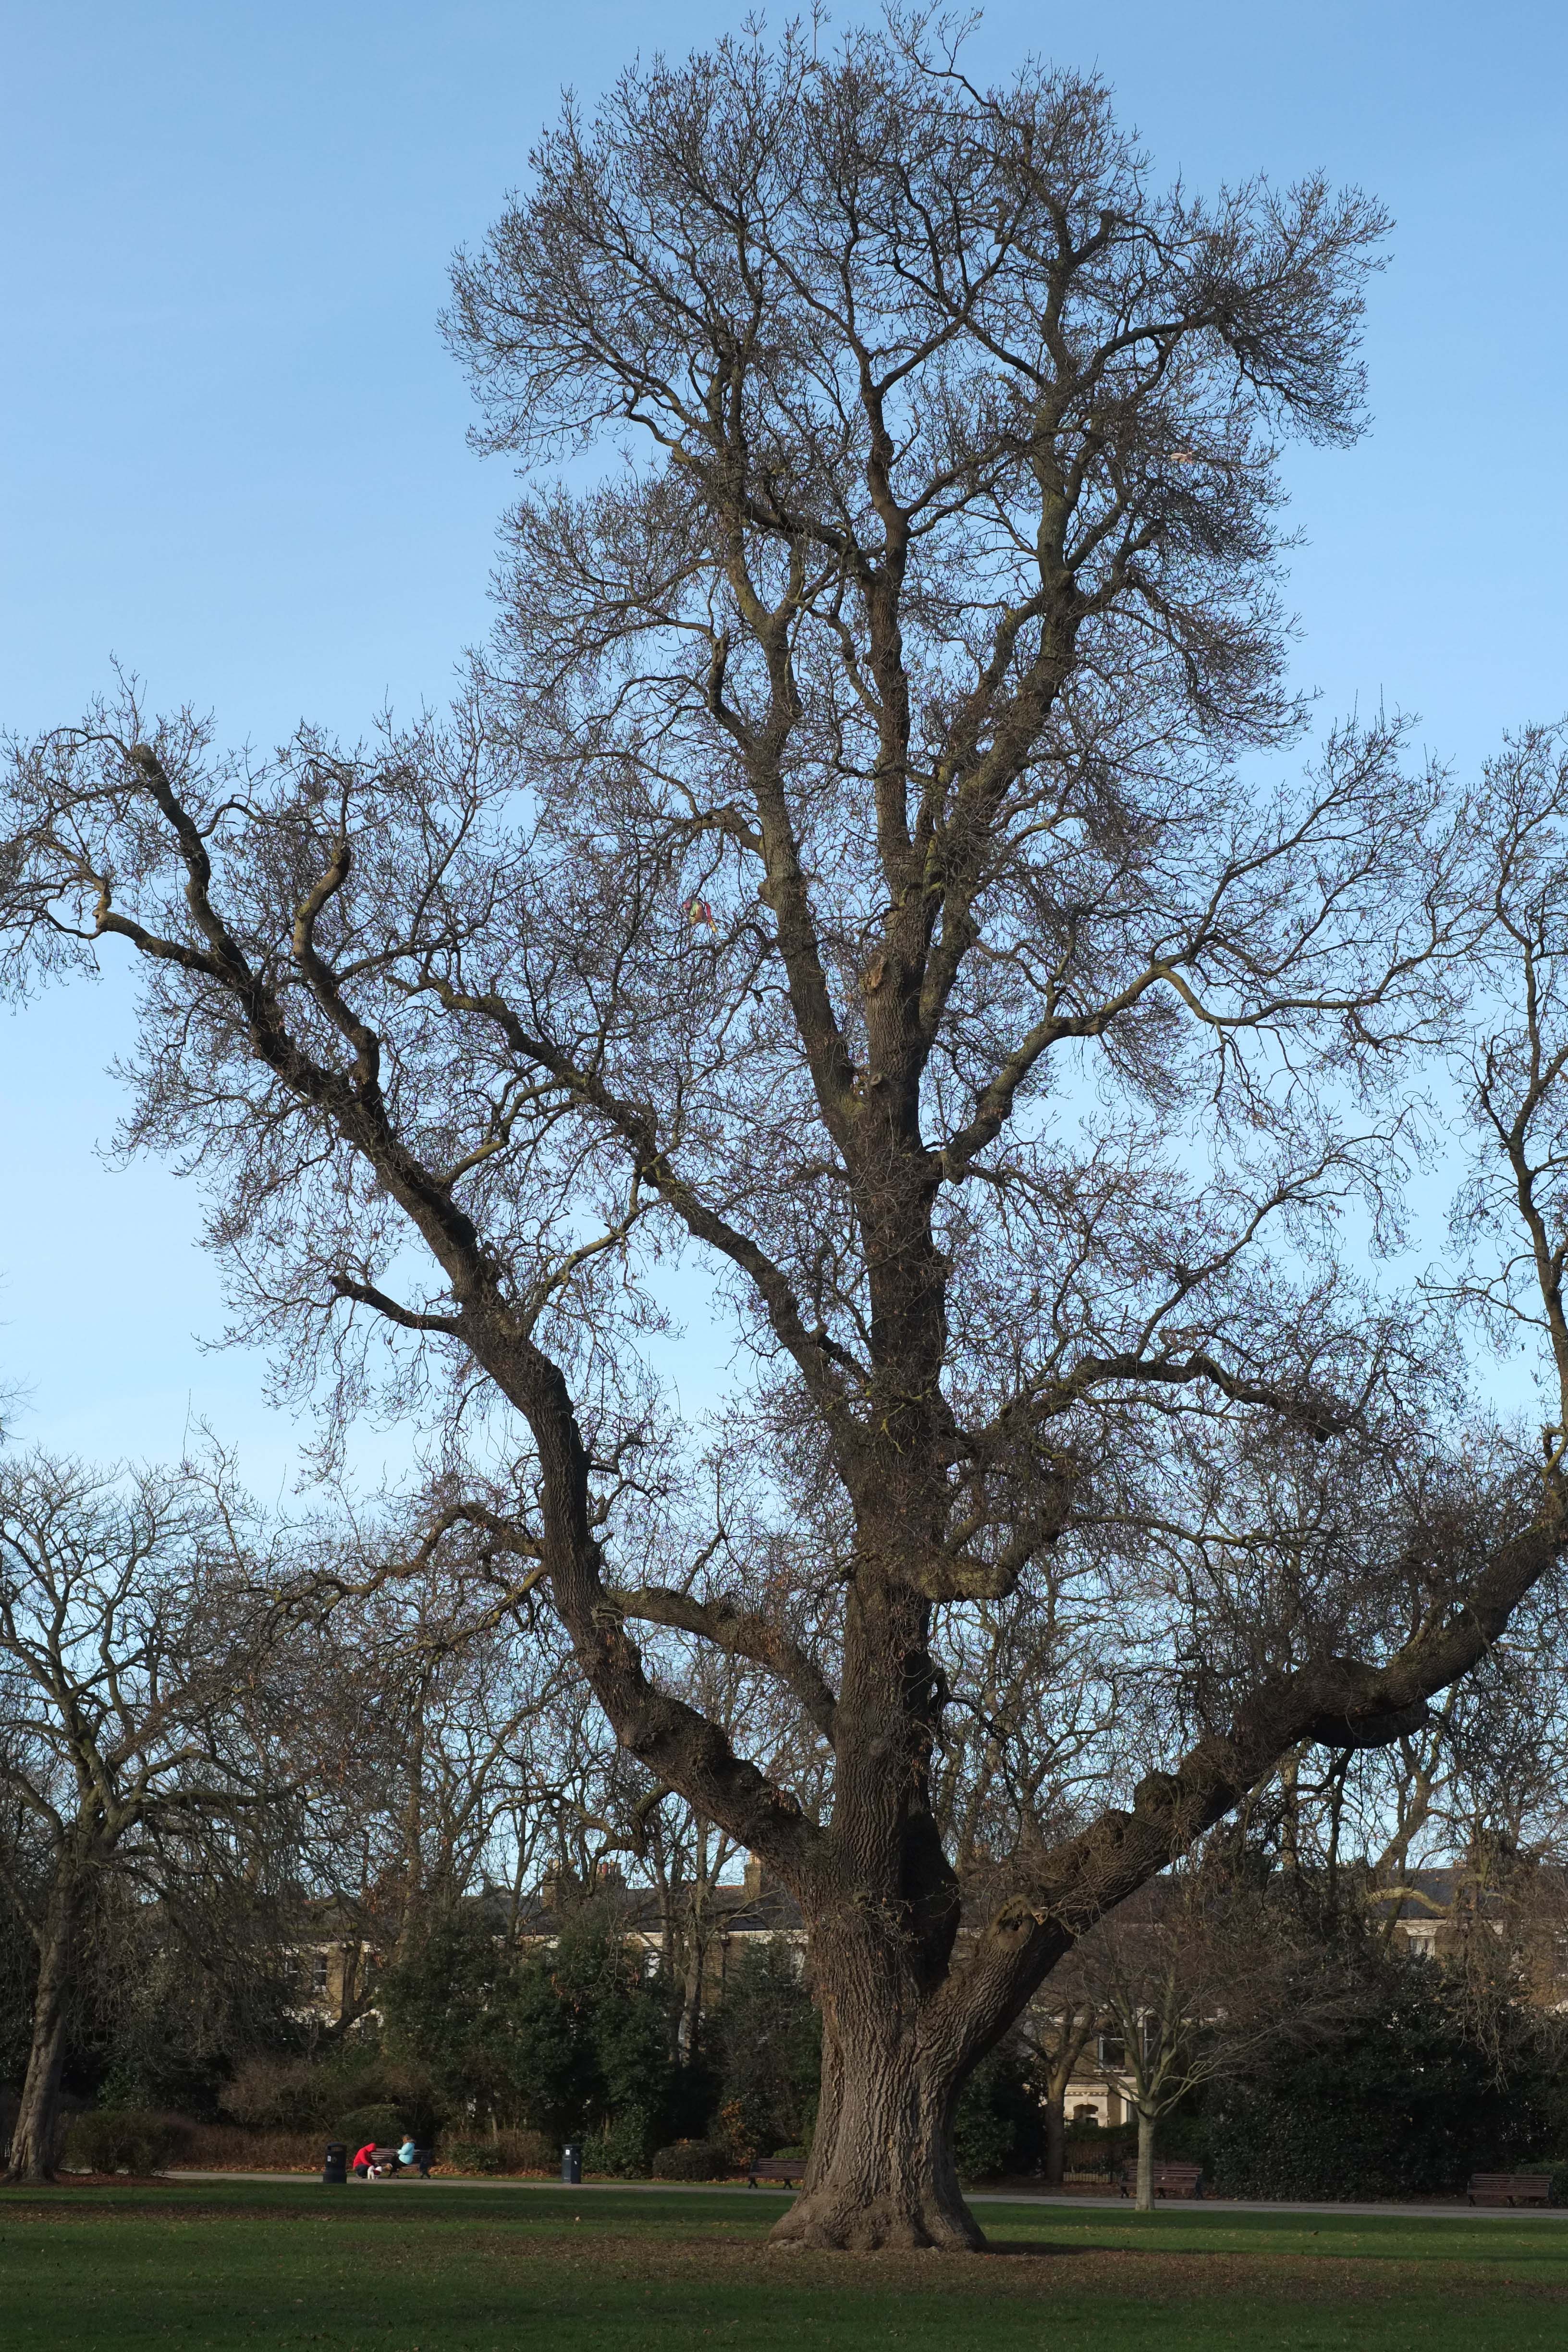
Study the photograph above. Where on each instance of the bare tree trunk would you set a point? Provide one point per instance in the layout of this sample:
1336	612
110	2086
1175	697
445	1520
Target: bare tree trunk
1055	2136
413	1833
689	2027
1291	1801
1144	2198
33	2138
881	2170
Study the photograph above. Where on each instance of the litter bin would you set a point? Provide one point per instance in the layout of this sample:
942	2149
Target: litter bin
336	2171
572	2166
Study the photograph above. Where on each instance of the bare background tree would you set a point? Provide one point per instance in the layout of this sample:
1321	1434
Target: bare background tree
135	1744
1194	1977
852	877
433	1680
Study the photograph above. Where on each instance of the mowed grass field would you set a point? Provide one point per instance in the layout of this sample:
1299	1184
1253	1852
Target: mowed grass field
483	2269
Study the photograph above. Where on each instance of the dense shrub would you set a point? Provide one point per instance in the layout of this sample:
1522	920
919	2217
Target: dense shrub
690	2160
448	2005
622	2147
380	2122
506	2152
319	2093
1097	2147
1406	2103
125	2139
574	2041
1000	2125
735	2127
284	2093
19	1976
232	2148
765	2045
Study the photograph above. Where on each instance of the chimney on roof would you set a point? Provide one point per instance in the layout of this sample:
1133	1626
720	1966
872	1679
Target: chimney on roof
752	1881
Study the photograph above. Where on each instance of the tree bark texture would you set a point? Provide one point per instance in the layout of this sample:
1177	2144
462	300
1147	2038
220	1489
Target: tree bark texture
881	2170
1145	2185
1056	2139
33	2150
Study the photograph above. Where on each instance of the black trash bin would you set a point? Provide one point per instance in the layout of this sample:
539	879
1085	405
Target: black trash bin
336	2171
572	2166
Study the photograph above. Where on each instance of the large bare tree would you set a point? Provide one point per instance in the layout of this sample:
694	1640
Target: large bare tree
854	875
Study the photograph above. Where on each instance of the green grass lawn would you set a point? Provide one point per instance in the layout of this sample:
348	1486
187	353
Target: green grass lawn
493	2269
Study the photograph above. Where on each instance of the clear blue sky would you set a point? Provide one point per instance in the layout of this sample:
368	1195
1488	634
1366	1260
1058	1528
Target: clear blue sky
233	450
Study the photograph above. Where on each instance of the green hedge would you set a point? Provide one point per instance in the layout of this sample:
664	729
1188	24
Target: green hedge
691	2160
125	2139
622	2147
507	2151
1406	2103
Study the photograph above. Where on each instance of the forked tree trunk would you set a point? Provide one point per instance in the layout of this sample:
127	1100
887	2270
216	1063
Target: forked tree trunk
33	2138
1144	2198
881	2170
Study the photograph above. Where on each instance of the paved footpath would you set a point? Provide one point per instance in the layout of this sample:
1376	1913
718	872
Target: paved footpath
1073	2203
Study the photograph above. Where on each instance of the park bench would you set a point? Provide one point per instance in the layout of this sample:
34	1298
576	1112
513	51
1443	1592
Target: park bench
390	2167
1510	2188
1170	2179
776	2168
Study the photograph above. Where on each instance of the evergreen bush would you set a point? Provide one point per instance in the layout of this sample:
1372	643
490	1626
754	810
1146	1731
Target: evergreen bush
572	2041
999	2125
621	2146
1407	2102
690	2160
763	2039
505	2152
381	2123
125	2139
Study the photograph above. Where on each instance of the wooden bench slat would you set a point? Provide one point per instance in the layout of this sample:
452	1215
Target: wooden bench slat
1178	2179
1510	2188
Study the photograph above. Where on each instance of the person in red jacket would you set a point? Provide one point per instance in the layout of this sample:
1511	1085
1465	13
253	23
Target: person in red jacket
362	2164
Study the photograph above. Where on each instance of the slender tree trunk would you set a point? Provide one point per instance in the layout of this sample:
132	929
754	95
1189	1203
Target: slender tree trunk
689	2029
413	1834
32	2156
1144	2199
1291	1826
1055	2136
671	1966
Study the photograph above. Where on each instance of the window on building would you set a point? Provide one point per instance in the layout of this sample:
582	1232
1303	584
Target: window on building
319	1972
